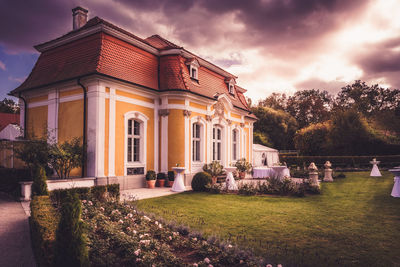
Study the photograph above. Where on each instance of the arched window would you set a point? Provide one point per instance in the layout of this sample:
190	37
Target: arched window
235	146
135	143
217	143
134	140
196	142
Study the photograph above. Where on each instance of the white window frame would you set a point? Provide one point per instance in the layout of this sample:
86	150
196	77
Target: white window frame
197	166
216	141
193	68
142	119
235	144
196	149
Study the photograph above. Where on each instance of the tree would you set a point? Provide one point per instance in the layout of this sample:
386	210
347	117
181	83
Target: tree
278	125
39	186
314	139
71	247
261	138
310	106
35	153
369	100
66	156
275	101
8	106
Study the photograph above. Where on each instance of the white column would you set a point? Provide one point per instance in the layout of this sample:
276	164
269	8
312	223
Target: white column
96	128
21	114
187	138
251	143
52	116
156	136
111	135
164	137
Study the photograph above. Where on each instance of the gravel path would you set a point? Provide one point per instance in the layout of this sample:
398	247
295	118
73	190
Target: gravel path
15	240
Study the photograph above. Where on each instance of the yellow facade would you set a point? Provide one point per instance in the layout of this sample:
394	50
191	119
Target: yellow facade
106	135
36	122
176	138
71	92
176	101
199	106
134	96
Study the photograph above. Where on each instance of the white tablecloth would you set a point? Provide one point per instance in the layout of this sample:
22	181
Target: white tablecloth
396	187
263	172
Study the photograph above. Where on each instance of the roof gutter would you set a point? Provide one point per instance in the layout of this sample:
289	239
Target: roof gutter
84	126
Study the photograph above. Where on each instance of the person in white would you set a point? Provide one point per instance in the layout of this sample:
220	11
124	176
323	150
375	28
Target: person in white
375	170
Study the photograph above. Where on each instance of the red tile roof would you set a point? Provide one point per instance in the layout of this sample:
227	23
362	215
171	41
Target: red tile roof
101	53
7	118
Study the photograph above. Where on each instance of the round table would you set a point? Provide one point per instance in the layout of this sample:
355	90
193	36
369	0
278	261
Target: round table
396	186
262	172
178	185
281	171
230	181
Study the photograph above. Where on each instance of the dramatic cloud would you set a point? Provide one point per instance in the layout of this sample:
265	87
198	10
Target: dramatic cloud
272	45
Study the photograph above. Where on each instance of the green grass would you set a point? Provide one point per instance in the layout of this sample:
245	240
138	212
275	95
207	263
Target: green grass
354	222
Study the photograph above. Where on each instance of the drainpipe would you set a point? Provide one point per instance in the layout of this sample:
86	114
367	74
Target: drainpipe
25	110
84	126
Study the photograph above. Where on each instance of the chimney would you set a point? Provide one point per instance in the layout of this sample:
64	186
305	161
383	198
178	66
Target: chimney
79	17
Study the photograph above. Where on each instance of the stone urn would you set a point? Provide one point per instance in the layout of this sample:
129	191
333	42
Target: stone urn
328	172
313	173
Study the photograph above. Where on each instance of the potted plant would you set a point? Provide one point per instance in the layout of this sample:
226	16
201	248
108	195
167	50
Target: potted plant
214	169
151	178
243	166
171	178
160	179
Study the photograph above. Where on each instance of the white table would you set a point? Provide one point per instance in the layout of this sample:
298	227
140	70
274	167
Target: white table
396	186
281	171
178	185
262	172
375	170
230	182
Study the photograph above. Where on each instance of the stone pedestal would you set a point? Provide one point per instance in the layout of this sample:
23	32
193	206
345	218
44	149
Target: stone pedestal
313	174
328	172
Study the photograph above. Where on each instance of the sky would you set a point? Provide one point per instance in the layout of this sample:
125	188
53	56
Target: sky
279	46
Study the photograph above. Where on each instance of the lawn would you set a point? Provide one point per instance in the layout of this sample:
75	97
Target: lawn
354	222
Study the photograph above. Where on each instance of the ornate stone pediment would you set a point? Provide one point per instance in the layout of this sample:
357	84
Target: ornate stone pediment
219	109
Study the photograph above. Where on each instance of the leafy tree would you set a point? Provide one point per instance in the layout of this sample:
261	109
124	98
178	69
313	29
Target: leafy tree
366	99
275	101
71	247
8	106
314	139
261	138
39	186
278	125
63	157
35	153
310	106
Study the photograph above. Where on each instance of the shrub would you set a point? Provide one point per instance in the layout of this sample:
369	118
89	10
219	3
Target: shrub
71	247
171	175
214	188
247	189
287	186
43	221
150	175
113	191
39	186
160	176
99	192
243	165
200	180
214	168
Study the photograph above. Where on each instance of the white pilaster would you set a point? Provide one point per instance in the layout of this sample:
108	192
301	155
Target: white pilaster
156	136
187	138
164	137
52	116
111	135
96	128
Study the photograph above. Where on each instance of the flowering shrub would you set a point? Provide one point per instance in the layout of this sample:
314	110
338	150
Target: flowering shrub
119	235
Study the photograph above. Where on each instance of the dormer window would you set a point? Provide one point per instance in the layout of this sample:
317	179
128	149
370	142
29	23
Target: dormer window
231	85
193	68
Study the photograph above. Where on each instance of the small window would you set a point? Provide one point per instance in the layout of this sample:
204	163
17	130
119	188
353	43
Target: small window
217	143
196	142
234	144
231	91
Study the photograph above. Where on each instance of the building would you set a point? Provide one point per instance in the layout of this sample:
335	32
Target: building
139	104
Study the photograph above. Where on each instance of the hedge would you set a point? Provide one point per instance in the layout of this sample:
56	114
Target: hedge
97	192
43	221
341	161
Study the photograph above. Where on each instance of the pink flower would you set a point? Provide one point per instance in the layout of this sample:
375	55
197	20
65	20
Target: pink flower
207	260
279	265
137	252
84	201
170	237
195	265
268	265
101	208
210	265
120	221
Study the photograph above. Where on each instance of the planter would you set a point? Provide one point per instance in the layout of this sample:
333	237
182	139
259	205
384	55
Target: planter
214	179
170	183
151	183
160	183
242	175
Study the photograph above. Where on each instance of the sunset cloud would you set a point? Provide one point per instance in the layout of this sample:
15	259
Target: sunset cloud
272	45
